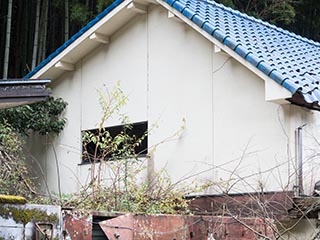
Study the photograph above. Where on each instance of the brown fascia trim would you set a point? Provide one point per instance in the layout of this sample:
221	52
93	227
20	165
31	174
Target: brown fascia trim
277	204
306	207
23	88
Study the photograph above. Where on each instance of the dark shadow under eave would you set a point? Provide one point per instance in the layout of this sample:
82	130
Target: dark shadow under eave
299	100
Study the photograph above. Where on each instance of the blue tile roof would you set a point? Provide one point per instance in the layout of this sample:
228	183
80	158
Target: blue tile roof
290	60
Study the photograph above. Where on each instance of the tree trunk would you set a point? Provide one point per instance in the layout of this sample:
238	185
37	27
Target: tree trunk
7	46
66	21
36	36
44	47
43	31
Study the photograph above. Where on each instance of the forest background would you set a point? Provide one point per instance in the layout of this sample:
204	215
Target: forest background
33	29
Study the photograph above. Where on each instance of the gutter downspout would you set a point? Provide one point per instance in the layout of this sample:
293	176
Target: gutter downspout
298	156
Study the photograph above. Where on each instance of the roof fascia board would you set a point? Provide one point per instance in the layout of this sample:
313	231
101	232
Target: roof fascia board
146	2
83	37
276	94
24	82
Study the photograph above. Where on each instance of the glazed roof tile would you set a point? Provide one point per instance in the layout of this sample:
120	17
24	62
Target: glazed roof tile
290	60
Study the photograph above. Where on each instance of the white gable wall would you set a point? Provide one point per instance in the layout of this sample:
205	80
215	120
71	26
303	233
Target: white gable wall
127	64
176	93
171	73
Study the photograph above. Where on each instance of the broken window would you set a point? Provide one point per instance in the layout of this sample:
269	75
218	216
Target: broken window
110	143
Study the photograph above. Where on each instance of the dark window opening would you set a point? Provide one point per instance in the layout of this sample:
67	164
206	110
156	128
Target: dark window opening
116	142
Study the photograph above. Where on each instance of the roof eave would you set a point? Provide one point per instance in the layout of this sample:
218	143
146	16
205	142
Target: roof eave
99	33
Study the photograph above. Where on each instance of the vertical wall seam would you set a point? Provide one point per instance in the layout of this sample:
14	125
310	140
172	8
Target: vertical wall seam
80	112
212	113
150	163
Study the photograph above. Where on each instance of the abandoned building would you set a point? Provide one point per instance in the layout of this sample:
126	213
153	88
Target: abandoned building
244	93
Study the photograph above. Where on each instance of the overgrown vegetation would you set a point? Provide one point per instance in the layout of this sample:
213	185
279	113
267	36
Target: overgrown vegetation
44	118
12	199
117	178
117	175
14	175
27	215
160	196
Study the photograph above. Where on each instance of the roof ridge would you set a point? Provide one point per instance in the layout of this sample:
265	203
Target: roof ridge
260	21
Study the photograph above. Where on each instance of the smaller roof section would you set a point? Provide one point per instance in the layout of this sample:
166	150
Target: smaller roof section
15	92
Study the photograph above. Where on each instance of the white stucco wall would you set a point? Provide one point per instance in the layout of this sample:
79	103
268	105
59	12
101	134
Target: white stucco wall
171	73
